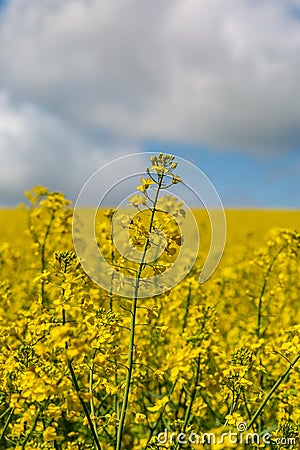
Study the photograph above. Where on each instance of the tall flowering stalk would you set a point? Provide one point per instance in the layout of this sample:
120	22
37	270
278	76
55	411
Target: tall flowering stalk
163	166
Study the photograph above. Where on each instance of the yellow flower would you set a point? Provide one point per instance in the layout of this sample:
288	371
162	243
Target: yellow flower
146	183
49	434
137	200
159	405
140	418
234	418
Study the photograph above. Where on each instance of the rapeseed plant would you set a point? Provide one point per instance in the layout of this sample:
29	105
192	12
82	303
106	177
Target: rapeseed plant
84	368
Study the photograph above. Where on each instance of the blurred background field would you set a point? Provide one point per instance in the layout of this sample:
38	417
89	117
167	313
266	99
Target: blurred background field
246	229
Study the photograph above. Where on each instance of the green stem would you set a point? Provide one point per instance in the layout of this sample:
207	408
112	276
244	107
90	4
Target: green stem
43	254
271	392
133	321
6	424
83	404
116	396
5	412
128	376
77	389
187	307
31	430
91	391
246	405
233	405
189	410
259	310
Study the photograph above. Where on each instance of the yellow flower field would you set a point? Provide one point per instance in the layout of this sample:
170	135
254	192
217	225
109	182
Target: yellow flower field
210	363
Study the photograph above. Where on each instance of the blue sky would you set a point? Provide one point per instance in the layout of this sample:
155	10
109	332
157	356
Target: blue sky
245	180
80	86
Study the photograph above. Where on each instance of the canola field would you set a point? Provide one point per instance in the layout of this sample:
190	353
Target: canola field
201	366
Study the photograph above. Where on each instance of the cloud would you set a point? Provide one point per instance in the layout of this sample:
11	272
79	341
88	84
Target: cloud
84	78
37	147
220	73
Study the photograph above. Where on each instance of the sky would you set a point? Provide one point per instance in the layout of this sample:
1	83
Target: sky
85	81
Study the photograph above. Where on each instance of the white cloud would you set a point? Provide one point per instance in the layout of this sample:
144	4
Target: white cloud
85	73
38	148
